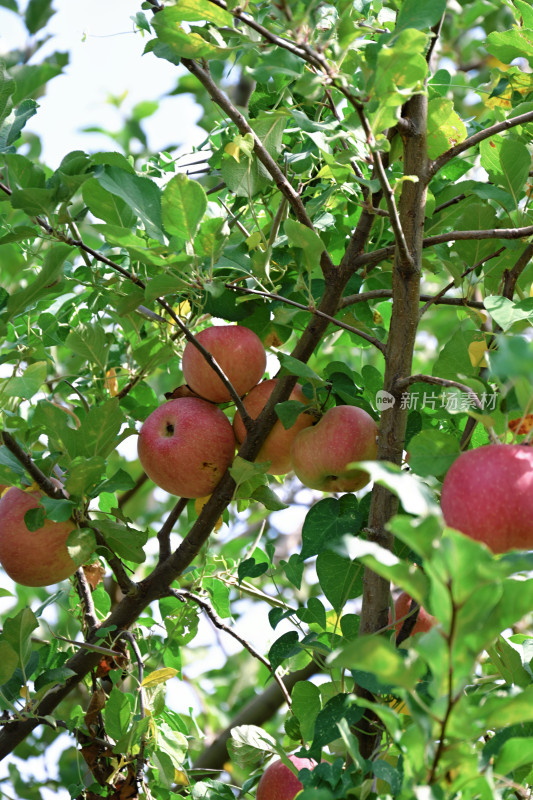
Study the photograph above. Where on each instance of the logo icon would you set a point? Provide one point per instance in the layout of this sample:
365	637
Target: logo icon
384	399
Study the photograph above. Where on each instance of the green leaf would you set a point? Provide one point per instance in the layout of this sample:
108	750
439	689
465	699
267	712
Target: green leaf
107	206
8	661
7	87
38	12
219	593
267	497
11	128
141	194
306	706
173	743
50	677
400	72
27	385
338	708
57	510
377	655
248	743
283	648
415	496
250	569
507	161
305	239
122	540
184	203
117	713
293	366
420	14
445	127
17	633
200	11
340	578
432	452
505	312
47	277
183	44
508	45
90	342
100	429
84	473
327	521
81	545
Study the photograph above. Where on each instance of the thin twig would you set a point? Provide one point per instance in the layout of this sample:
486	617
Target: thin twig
476	138
279	178
142	711
89	611
271	296
404	383
44	483
438	297
215	619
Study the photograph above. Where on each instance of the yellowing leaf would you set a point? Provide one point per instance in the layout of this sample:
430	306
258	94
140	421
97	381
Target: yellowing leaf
111	382
199	503
159	676
233	149
476	351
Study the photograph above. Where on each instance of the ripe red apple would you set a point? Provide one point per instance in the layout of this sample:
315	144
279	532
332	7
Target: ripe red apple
32	558
487	494
278	782
237	350
185	446
321	454
402	607
277	446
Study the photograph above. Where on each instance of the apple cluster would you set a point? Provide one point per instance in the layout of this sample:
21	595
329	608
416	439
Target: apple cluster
186	445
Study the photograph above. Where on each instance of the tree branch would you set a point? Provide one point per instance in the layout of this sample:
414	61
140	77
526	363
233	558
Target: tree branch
256	712
218	623
271	296
374	258
44	483
476	138
279	178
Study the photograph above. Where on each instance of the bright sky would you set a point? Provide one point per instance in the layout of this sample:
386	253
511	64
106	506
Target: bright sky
106	59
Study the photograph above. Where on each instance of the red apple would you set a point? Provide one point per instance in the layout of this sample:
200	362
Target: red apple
185	446
277	446
321	454
32	558
278	782
487	494
238	351
402	607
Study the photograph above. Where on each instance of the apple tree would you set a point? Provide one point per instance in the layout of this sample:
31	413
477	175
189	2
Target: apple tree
361	203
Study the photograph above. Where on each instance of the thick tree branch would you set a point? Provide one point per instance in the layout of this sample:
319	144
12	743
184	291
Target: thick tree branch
398	364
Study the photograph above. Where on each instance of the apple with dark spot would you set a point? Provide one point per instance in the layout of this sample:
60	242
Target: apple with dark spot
185	446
